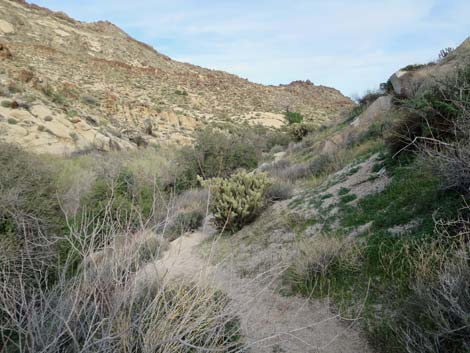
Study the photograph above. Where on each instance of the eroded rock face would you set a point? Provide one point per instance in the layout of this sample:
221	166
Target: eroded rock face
94	78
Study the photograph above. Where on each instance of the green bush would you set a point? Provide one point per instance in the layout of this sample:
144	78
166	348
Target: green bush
439	114
118	201
294	117
28	201
436	315
216	154
31	221
236	201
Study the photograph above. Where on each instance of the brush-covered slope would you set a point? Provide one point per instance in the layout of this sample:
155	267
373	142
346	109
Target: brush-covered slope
67	85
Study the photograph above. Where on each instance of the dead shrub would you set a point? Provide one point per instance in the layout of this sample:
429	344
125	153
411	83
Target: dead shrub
435	317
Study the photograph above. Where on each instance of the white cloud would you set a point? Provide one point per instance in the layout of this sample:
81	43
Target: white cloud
351	45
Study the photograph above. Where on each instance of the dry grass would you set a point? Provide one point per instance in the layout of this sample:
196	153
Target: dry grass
435	316
104	307
319	255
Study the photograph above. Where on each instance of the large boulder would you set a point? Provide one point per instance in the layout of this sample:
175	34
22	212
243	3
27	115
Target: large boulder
6	27
415	79
375	111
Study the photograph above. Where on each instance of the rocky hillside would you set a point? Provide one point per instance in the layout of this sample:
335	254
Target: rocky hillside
66	85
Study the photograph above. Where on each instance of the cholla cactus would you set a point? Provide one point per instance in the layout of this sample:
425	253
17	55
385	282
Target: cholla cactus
299	131
237	200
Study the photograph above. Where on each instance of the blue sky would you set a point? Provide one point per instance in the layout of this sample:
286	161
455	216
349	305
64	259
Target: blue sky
349	45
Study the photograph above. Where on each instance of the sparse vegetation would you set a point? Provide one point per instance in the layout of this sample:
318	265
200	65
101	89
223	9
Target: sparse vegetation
294	117
373	216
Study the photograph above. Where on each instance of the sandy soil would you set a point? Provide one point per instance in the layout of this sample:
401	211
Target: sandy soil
269	322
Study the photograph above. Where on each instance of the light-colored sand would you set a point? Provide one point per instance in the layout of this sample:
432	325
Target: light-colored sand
269	321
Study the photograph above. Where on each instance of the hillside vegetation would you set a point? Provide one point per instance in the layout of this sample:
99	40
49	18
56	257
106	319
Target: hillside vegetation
66	85
364	215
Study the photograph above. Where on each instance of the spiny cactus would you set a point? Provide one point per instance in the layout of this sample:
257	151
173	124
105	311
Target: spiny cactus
237	200
299	131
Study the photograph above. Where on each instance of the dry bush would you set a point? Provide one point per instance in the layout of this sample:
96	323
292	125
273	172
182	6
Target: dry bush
284	171
278	191
116	302
436	316
319	256
186	213
451	161
435	120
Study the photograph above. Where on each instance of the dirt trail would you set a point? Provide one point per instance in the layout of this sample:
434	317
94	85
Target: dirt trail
269	322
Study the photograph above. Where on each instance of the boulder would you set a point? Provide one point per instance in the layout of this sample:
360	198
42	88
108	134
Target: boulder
373	112
6	27
41	111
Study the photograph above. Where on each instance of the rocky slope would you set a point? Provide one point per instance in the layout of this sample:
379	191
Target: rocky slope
66	85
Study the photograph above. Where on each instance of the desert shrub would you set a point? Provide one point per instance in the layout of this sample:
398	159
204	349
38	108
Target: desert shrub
320	256
280	137
413	67
118	201
89	100
237	200
321	165
437	115
369	98
279	191
276	149
216	154
294	172
451	163
118	304
181	92
437	124
6	104
185	221
31	224
187	213
294	117
283	170
28	201
436	315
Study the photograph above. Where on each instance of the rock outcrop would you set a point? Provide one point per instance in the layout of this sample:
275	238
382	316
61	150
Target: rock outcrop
416	78
80	70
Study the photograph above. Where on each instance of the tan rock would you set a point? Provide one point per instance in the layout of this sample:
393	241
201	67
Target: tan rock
379	107
170	118
102	142
21	115
6	27
58	130
41	111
